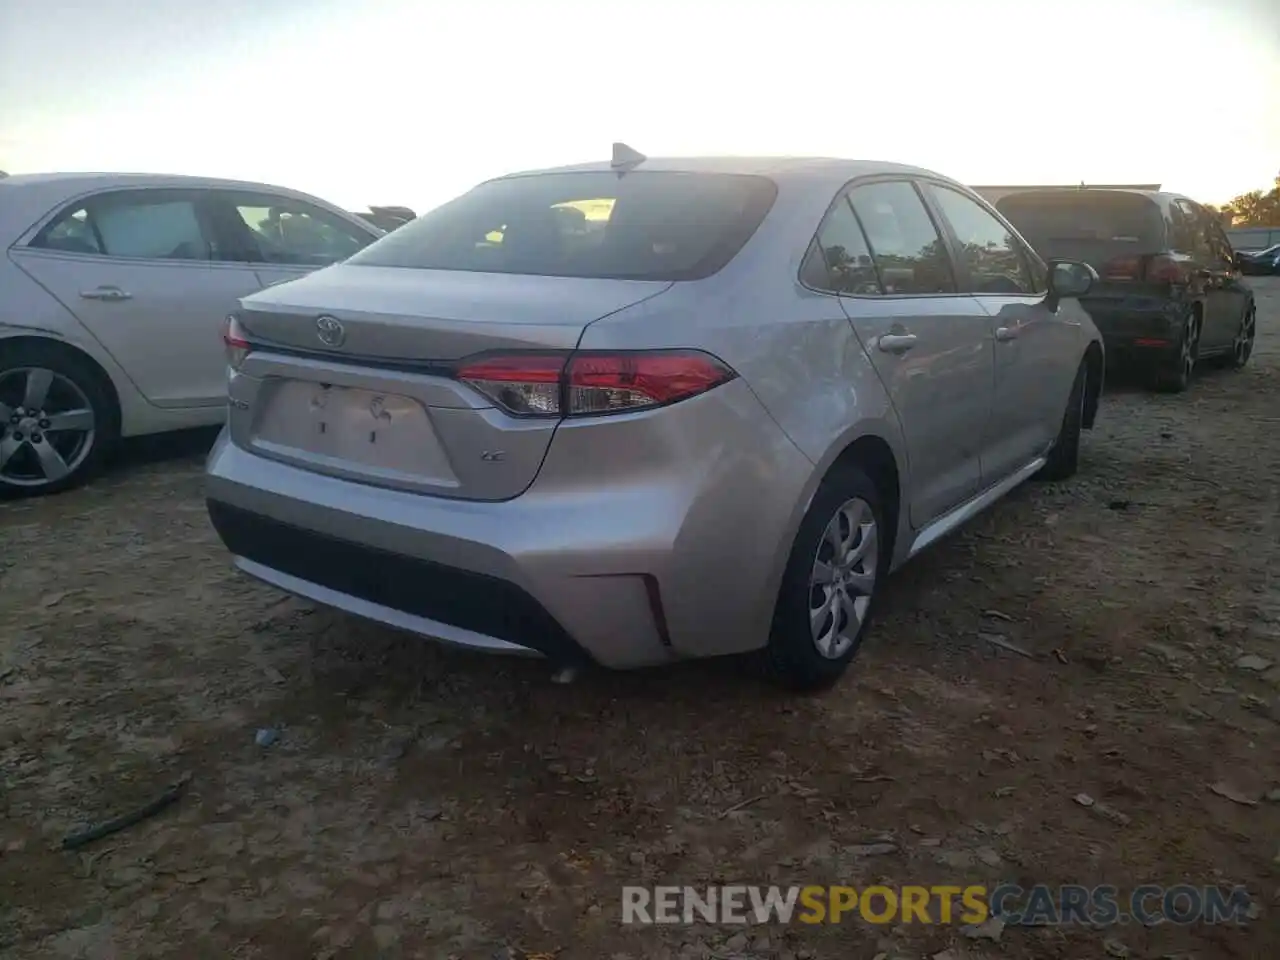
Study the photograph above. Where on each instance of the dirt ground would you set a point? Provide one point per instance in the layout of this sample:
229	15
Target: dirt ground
424	802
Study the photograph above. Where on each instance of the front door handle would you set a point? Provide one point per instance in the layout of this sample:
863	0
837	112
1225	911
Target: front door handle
1005	334
896	342
106	293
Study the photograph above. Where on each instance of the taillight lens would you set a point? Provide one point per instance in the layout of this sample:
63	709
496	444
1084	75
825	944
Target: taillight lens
1162	269
527	385
1122	268
590	383
236	342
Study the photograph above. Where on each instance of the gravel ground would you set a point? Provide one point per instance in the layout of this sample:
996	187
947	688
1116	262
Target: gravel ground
424	802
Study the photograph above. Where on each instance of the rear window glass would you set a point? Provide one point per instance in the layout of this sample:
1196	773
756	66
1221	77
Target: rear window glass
640	226
1083	216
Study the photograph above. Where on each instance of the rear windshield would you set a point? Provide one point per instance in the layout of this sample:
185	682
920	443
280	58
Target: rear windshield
1080	216
640	226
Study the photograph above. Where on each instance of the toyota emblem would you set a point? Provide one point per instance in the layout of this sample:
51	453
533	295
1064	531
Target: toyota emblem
330	331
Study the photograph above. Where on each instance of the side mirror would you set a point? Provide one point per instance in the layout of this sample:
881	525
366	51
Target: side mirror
1069	278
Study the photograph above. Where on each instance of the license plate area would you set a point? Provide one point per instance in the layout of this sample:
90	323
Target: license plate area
348	430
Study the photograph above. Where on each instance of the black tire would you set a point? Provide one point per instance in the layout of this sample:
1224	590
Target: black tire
1064	458
1174	376
1242	346
91	448
792	658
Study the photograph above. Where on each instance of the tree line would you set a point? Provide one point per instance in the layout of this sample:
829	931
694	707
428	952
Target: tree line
1257	208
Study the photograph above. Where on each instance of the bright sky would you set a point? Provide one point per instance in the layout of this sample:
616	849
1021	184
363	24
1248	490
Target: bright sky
397	101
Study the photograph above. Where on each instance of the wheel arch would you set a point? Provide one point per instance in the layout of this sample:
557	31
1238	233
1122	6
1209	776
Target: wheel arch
77	355
872	453
877	449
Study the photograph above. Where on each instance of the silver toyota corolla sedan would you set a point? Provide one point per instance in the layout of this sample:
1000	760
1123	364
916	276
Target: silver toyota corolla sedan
626	413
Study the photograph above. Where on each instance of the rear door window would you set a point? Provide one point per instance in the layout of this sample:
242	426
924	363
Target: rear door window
645	225
906	247
135	224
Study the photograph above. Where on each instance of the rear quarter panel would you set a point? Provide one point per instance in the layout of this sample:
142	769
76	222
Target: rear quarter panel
793	348
27	310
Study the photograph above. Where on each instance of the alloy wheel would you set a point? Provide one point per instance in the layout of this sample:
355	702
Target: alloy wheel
1245	337
843	578
1190	350
47	427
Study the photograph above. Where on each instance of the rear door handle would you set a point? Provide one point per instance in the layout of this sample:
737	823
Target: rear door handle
896	342
106	293
1005	334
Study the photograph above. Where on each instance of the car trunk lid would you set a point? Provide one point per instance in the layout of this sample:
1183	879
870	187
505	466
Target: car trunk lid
350	374
414	316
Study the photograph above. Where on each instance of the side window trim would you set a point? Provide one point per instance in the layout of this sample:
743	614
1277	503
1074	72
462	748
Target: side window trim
950	242
866	238
943	236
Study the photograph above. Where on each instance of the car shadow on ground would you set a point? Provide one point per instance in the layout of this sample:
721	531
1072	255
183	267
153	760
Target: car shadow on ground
163	447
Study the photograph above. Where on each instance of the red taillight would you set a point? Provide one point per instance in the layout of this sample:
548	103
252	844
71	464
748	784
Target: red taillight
587	384
527	385
236	342
1162	269
1122	268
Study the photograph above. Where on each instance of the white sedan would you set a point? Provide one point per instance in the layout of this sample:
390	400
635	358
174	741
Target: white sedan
113	294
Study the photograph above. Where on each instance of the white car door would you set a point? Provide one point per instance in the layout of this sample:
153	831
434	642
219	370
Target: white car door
139	269
285	237
1037	349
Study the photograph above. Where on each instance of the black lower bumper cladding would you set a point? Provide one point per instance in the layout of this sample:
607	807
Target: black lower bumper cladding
459	598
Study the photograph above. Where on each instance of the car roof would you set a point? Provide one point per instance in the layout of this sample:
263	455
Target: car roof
27	197
76	181
795	169
1156	196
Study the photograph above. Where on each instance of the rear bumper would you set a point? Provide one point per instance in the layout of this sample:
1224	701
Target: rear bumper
669	548
468	609
1138	329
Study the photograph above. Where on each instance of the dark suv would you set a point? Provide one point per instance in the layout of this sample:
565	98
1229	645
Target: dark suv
1169	293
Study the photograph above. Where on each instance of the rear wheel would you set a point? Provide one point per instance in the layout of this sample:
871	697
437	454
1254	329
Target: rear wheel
1242	349
1174	376
830	586
57	420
